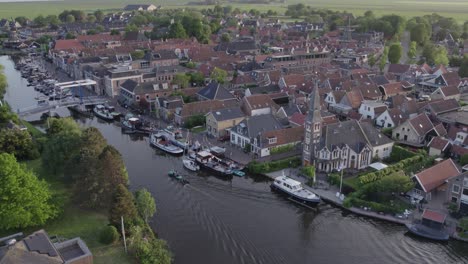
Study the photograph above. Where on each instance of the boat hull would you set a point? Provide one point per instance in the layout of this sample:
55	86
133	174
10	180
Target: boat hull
296	198
104	117
160	147
214	171
426	232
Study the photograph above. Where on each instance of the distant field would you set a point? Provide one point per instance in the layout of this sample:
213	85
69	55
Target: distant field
457	9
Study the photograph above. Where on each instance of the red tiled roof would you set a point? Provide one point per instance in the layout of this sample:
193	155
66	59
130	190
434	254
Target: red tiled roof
434	216
284	136
439	143
421	124
436	175
398	68
68	44
391	89
298	119
450	90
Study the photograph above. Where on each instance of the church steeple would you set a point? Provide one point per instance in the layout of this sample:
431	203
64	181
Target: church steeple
313	127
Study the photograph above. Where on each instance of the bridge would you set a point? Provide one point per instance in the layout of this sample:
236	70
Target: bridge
61	89
68	102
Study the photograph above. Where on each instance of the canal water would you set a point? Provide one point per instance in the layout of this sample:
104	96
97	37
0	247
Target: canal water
215	221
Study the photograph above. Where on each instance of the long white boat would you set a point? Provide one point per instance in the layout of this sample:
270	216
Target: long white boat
161	142
295	190
102	112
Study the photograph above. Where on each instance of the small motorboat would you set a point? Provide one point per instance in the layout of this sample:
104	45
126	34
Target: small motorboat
102	112
175	175
190	164
238	173
159	141
295	191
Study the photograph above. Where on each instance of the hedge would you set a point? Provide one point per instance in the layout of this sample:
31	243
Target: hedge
282	149
265	167
409	165
399	153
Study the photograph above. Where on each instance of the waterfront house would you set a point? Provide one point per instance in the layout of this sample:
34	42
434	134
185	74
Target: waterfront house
439	185
348	144
198	108
416	131
279	140
38	248
166	107
244	133
218	122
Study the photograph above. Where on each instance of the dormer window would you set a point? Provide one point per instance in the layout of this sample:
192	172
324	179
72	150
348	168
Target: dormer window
272	140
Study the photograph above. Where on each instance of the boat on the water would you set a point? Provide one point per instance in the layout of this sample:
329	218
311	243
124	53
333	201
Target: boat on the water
211	163
132	125
161	142
295	191
190	164
431	226
102	112
238	173
177	176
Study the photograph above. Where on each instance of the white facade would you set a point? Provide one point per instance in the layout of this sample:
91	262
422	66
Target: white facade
239	140
382	151
384	120
464	195
367	109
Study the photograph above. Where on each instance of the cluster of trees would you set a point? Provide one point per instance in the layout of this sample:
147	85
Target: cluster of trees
3	83
390	25
332	18
96	171
184	80
67	16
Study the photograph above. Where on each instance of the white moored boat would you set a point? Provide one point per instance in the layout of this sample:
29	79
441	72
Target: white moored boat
295	190
190	164
159	141
102	112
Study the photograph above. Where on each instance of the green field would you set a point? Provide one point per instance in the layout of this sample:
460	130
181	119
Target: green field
457	9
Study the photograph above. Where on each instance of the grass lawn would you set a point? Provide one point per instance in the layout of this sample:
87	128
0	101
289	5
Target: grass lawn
36	133
76	222
353	182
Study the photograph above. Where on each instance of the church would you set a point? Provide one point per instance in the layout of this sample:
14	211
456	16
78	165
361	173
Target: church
349	144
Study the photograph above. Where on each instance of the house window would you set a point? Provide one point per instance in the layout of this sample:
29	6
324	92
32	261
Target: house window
456	188
454	199
272	140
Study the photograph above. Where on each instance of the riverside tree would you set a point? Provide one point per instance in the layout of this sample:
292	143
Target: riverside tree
123	205
145	204
26	199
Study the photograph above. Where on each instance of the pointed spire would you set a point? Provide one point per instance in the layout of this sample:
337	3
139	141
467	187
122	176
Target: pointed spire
314	105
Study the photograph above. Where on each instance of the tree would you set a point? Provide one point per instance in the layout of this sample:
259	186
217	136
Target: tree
40	21
137	54
52	20
464	160
145	204
26	199
139	20
99	15
108	235
419	34
394	53
22	20
372	60
440	56
177	31
181	80
147	248
114	32
412	51
62	143
18	143
225	37
70	18
70	36
91	18
218	75
383	59
123	206
463	224
309	171
463	70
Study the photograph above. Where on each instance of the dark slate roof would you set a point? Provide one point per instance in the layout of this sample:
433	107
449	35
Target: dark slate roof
398	68
379	80
249	66
160	55
215	91
375	138
344	133
272	88
119	74
129	85
227	114
252	126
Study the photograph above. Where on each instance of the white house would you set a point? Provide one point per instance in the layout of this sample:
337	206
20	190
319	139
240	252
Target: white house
391	118
243	133
371	109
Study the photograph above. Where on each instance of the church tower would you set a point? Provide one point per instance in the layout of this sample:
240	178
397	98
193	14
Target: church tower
313	128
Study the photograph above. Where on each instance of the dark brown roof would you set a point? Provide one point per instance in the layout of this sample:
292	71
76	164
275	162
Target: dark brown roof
450	90
421	124
444	106
370	91
451	78
283	136
201	107
397	116
436	175
391	89
259	101
355	98
440	130
439	143
398	68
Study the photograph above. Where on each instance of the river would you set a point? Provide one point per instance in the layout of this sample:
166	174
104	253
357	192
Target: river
214	221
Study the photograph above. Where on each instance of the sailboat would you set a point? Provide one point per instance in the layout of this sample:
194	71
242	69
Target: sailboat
188	162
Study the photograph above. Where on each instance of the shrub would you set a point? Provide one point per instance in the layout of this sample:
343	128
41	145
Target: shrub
265	167
108	235
334	178
282	149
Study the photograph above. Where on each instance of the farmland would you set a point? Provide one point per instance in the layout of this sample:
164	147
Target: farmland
409	8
